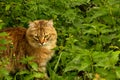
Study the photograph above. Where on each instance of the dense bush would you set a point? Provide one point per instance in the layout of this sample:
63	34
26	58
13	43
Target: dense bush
88	35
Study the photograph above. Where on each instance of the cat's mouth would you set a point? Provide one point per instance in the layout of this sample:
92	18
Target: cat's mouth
41	44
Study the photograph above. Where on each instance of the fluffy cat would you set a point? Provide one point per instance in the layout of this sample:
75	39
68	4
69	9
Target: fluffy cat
37	41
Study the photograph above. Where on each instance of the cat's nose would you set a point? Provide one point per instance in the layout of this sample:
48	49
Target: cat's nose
42	41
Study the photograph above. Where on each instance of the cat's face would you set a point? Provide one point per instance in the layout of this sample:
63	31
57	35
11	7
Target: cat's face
41	33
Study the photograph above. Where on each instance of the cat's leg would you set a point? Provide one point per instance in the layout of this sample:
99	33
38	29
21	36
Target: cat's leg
43	70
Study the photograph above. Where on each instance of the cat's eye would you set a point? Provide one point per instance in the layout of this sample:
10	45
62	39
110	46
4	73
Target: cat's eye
46	36
36	38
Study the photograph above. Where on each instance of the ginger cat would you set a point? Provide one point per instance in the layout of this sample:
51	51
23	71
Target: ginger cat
37	41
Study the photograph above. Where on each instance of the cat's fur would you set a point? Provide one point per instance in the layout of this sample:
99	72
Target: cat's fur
37	41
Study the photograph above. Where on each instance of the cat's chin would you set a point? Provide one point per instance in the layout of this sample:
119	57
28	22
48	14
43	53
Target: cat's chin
38	45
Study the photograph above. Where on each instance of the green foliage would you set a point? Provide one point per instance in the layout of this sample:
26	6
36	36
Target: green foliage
88	36
28	75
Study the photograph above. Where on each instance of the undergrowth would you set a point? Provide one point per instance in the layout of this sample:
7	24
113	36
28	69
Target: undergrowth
88	46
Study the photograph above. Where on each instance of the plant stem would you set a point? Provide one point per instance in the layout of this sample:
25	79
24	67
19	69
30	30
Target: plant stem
55	68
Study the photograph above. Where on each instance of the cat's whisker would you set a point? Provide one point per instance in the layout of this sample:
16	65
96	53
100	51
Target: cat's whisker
44	43
39	44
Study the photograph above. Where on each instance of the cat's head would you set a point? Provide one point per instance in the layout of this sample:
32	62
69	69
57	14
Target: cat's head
41	33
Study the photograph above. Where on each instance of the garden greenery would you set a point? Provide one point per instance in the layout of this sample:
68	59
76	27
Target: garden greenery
88	37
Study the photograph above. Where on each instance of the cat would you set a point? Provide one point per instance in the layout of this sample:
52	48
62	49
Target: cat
38	41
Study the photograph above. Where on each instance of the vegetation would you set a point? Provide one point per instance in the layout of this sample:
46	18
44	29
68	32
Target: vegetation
88	36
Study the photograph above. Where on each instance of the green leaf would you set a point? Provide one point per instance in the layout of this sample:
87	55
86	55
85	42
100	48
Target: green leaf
34	75
3	48
33	65
38	75
114	57
117	70
110	60
101	11
54	76
80	62
3	41
26	59
7	7
3	34
23	72
105	39
107	74
3	72
8	78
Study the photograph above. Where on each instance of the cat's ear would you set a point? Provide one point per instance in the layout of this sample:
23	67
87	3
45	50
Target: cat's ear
50	23
31	24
